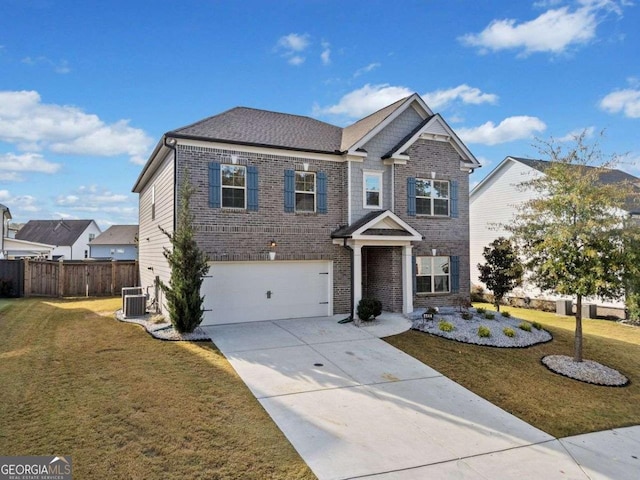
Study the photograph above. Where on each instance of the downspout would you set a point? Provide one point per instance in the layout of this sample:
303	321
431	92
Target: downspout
352	281
171	145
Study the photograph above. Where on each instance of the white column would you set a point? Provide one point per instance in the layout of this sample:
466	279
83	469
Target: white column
357	276
407	279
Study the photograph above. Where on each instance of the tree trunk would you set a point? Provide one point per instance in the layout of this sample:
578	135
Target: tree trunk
577	343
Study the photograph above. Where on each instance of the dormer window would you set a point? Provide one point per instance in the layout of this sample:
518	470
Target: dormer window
372	189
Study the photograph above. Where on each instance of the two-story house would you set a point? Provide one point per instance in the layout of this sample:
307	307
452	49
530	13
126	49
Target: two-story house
69	238
301	218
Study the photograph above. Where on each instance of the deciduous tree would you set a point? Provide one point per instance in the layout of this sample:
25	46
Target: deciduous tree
572	233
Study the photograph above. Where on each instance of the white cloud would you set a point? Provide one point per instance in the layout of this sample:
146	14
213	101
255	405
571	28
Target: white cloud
325	56
26	162
32	125
363	101
554	31
370	98
626	101
292	46
367	69
18	203
509	130
471	95
294	42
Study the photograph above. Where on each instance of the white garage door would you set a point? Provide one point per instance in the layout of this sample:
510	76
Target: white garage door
251	291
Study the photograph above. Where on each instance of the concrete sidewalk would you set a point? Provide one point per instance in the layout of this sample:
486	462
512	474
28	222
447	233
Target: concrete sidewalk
355	407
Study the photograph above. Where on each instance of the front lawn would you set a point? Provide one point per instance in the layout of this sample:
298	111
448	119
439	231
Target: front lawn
515	380
77	382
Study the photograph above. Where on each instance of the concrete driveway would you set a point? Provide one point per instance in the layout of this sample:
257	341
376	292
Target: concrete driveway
355	407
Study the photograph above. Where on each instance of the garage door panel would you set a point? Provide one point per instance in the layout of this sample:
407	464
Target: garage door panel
252	291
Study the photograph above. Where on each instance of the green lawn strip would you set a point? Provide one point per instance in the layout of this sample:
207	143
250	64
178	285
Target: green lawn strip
123	405
515	380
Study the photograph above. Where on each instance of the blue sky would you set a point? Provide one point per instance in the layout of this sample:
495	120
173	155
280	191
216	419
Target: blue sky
88	88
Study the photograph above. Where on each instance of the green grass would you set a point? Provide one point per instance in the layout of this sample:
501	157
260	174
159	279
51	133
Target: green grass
77	382
515	380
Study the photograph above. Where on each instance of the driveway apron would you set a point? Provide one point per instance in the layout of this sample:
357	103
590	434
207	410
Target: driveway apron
353	406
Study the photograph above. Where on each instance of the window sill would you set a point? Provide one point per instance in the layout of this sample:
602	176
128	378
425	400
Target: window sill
419	215
436	294
306	214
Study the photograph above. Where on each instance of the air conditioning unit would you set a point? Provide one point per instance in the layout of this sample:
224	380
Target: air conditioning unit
130	291
135	306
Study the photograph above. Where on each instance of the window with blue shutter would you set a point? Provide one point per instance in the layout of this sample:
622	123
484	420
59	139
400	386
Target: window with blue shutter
289	191
321	179
454	199
214	185
455	274
411	196
252	188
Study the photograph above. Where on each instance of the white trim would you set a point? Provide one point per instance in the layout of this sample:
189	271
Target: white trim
379	175
393	188
414	236
349	193
262	150
314	193
432	275
222	186
407	279
433	214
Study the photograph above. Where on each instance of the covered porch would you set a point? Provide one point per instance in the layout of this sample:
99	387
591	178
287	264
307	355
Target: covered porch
381	259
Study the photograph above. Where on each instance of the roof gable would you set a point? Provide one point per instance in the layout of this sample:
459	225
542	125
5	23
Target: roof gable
381	223
434	128
117	235
53	232
356	135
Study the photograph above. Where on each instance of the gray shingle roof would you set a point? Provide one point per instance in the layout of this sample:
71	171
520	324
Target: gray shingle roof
249	126
346	231
53	232
606	177
117	235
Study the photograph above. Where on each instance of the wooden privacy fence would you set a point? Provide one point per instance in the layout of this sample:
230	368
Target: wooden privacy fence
78	278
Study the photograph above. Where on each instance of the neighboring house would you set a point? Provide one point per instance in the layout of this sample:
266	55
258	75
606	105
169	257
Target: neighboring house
494	202
118	242
10	248
376	209
70	238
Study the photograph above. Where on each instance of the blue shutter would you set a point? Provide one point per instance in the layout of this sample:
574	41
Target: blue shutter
414	268
214	185
252	188
321	179
411	196
289	191
455	274
454	199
